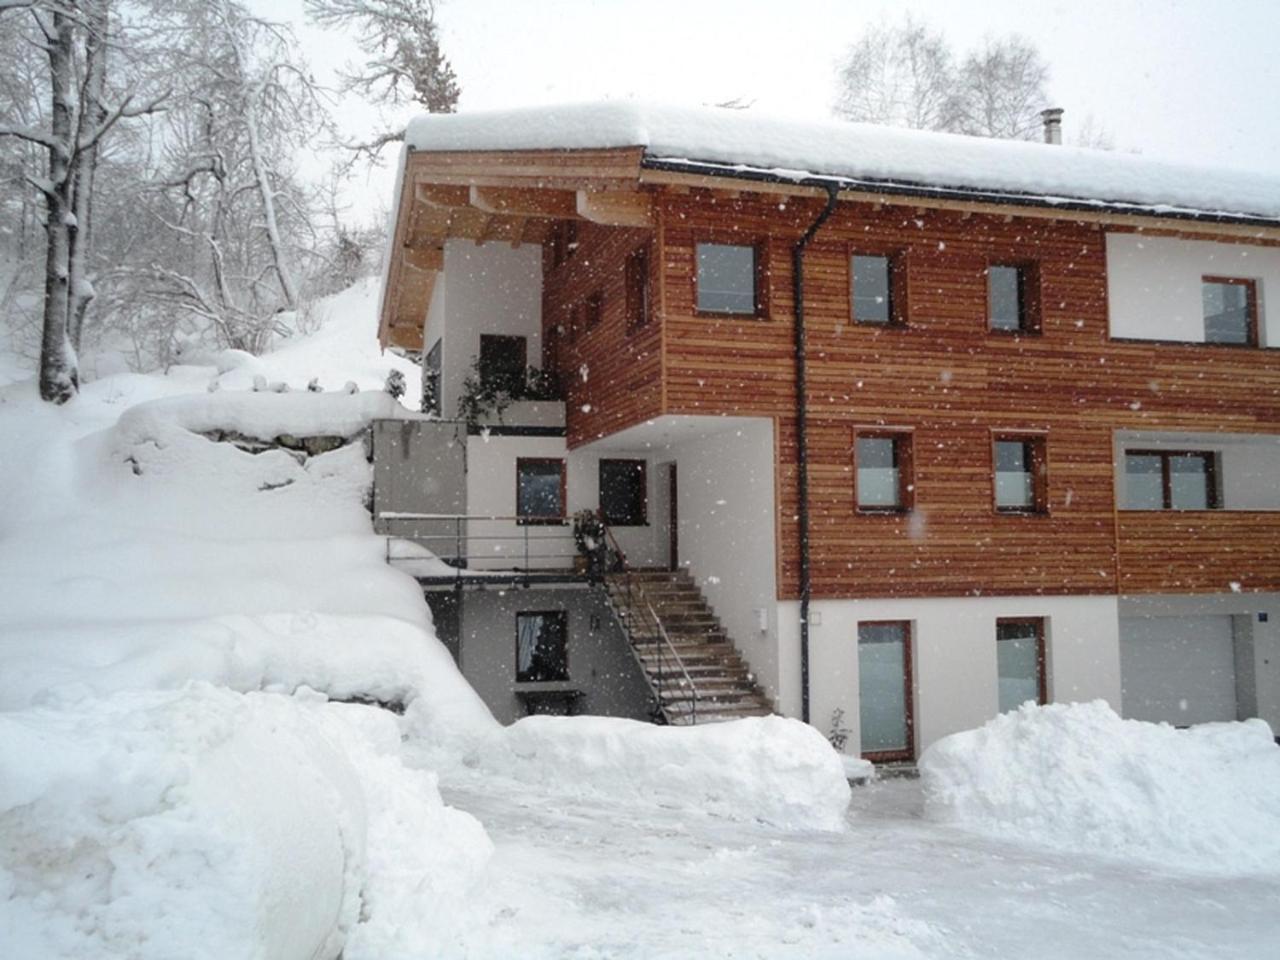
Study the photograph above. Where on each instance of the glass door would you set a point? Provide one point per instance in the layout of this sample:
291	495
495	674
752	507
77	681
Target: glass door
884	690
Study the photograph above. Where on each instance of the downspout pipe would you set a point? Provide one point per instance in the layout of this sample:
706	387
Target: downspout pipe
802	439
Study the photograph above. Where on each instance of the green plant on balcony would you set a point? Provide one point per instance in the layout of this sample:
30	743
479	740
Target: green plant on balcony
485	398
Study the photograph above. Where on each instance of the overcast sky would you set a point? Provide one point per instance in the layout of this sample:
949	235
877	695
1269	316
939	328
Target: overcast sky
1194	80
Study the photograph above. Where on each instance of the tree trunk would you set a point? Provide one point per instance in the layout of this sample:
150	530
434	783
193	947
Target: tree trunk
59	376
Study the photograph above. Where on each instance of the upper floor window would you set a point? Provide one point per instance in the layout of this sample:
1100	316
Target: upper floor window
1020	475
623	494
637	288
1011	300
1171	480
872	294
727	279
502	361
431	399
882	472
1230	310
594	310
540	490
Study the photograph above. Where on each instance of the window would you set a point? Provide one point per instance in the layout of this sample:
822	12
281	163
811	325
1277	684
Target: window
431	400
882	474
1020	662
884	690
542	653
502	362
593	310
623	493
540	490
1171	480
1020	475
727	279
1230	311
637	283
1012	299
872	294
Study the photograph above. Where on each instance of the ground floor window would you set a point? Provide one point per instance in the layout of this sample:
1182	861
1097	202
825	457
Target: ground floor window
542	651
884	689
623	501
1020	661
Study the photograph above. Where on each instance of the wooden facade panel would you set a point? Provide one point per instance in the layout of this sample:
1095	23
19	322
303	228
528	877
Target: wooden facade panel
1198	552
612	376
953	383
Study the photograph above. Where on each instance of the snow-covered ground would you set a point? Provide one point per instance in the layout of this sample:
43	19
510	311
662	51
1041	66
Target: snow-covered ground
178	618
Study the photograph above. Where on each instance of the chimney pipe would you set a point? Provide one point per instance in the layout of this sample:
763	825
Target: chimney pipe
1052	124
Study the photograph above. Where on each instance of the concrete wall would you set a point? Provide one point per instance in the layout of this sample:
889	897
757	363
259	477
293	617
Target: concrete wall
1153	285
1250	464
954	656
491	491
419	466
600	660
726	510
487	289
1262	611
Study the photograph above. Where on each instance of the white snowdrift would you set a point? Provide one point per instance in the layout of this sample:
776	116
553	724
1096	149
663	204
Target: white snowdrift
1078	777
202	823
771	769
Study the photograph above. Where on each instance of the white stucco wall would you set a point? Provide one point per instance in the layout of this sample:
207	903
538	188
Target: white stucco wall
1250	464
491	491
725	490
486	289
1153	285
1264	672
954	656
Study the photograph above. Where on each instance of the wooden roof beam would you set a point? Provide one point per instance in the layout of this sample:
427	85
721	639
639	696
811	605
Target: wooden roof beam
442	195
616	208
425	258
525	202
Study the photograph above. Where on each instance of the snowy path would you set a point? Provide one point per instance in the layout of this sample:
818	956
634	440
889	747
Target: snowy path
573	878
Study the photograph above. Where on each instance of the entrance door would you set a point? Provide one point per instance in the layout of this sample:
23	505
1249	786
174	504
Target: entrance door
673	524
885	707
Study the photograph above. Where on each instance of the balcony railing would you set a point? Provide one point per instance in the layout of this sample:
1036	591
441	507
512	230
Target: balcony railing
1198	551
462	546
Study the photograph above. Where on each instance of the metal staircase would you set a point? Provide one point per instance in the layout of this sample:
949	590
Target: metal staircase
695	673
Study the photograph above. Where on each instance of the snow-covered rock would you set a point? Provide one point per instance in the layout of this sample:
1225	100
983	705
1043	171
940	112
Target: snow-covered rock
1078	777
769	769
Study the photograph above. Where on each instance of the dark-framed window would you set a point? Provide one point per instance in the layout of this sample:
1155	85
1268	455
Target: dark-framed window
1021	475
1020	662
542	646
540	489
1013	301
431	400
728	279
872	295
882	471
503	360
623	493
885	690
1230	310
637	288
1171	480
593	310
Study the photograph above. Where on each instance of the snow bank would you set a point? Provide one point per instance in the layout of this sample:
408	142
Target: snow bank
858	151
772	769
1076	776
202	823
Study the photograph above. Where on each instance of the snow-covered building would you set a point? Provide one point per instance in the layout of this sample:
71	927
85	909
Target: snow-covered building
934	424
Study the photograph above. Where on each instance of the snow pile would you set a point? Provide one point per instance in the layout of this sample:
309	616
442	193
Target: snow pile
771	769
736	139
203	823
1077	777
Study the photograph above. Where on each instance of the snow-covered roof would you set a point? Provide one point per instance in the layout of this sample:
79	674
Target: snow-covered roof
748	144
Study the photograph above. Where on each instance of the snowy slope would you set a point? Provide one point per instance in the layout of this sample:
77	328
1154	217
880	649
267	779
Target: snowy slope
857	151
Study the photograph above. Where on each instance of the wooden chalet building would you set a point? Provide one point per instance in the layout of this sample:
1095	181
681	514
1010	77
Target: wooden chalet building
935	425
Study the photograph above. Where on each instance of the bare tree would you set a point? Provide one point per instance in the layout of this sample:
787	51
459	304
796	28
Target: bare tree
900	76
1001	90
75	38
405	62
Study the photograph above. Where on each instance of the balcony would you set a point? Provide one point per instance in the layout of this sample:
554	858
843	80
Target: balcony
1198	551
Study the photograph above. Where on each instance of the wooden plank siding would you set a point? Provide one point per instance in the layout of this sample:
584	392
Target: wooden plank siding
1211	551
623	375
952	383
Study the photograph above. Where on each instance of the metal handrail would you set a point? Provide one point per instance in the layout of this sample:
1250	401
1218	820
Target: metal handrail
462	534
660	682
